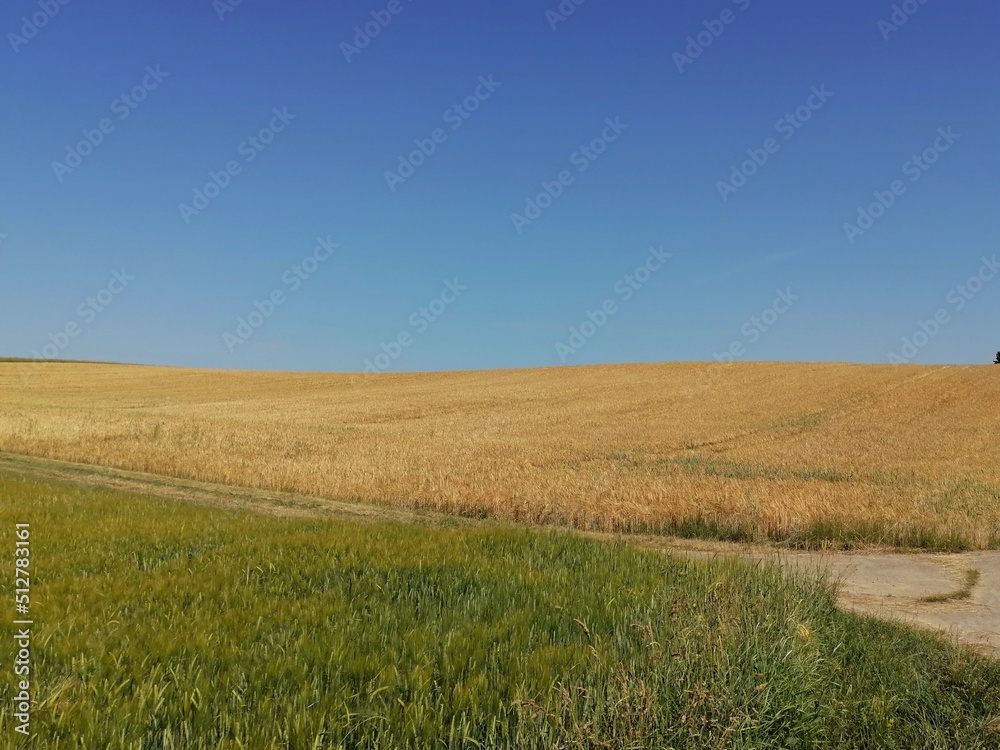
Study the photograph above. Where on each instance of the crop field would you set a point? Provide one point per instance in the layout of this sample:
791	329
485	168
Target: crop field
161	625
807	454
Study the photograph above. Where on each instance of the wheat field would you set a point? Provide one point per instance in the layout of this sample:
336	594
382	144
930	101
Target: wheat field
806	453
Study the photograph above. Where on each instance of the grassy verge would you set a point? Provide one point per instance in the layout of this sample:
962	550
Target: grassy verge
816	535
167	626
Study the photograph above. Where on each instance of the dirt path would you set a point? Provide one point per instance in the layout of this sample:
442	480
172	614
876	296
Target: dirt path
924	589
900	585
956	593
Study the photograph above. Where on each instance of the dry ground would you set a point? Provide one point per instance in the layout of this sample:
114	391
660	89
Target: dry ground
803	452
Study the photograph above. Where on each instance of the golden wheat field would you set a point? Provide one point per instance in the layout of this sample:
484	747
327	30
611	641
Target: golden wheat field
808	452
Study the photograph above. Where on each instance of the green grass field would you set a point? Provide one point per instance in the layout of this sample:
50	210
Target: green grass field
161	625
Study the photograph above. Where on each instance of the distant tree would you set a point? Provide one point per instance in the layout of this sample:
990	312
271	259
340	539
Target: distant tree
998	359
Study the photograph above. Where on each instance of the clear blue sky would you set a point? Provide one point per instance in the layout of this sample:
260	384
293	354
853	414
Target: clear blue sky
67	225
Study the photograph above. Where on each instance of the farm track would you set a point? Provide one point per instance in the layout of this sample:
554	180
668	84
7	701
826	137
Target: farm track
884	583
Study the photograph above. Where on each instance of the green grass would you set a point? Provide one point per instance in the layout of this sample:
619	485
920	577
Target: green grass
166	626
836	534
972	577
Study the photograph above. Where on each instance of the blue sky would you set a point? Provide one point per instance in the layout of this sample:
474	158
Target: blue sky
391	259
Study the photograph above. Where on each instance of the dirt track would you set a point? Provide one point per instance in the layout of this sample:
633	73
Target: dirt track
895	585
884	583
